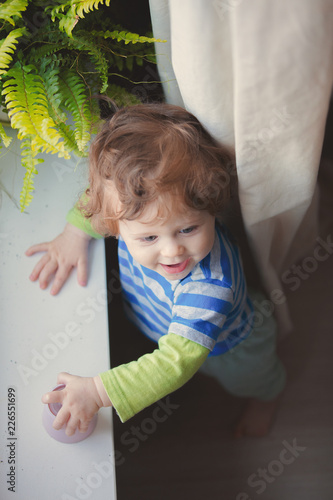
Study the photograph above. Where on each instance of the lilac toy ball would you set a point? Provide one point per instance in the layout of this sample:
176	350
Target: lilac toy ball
49	414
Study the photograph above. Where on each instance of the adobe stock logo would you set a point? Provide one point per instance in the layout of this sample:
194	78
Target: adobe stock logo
260	479
298	273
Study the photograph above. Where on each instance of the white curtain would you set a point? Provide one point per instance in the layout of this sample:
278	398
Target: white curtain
258	74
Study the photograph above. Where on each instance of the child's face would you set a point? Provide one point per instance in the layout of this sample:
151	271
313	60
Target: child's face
170	246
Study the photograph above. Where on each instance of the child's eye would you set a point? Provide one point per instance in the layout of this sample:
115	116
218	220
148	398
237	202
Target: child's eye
188	230
149	239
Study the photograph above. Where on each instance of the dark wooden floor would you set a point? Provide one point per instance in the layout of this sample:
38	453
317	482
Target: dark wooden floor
183	447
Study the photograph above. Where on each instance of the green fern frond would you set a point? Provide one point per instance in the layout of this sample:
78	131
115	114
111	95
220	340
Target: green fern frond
29	162
54	53
51	86
126	36
81	43
44	52
7	48
79	6
68	136
75	9
85	6
75	100
6	139
64	52
27	103
67	23
12	8
55	99
57	61
121	96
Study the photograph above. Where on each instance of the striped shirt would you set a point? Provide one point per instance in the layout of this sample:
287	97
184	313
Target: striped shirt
210	306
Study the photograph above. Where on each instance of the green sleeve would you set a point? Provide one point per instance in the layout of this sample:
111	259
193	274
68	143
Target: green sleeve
77	219
138	384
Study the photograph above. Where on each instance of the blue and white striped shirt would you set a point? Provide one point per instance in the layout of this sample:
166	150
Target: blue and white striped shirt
210	306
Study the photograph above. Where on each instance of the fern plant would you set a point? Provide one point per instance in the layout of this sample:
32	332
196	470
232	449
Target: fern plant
50	73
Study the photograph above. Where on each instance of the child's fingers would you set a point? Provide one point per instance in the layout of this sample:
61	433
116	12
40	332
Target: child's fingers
72	425
39	267
52	397
48	270
60	278
40	247
61	419
63	378
83	426
82	272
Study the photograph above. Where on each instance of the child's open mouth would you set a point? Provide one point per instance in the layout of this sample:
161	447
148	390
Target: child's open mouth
175	268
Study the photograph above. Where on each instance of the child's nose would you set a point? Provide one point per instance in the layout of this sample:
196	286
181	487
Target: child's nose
172	249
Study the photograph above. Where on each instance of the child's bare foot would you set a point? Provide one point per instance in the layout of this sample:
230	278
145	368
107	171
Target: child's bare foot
257	418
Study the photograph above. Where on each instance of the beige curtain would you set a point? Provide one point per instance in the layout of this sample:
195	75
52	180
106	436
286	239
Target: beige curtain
258	74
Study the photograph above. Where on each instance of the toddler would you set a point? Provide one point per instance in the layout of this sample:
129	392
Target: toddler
160	184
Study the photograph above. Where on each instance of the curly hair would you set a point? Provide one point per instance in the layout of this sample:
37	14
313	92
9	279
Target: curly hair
148	151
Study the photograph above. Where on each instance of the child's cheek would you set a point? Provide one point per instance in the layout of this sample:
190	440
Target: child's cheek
142	257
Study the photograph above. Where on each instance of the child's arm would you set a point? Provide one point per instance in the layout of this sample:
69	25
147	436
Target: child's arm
129	387
133	386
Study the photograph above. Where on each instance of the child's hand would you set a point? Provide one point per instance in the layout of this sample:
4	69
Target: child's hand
68	250
81	399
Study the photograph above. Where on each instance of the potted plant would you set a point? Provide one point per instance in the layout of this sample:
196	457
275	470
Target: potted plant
55	57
